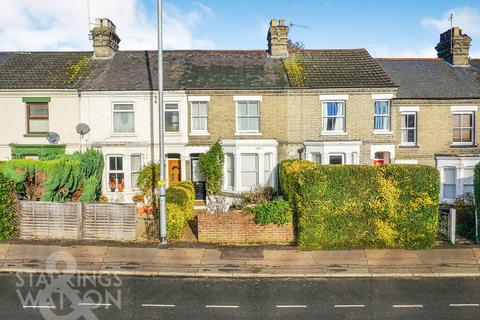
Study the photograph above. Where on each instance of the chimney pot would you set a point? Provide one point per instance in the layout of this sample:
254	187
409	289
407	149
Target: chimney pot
277	39
104	37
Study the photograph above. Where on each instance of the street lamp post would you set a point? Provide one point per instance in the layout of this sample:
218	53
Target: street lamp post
162	192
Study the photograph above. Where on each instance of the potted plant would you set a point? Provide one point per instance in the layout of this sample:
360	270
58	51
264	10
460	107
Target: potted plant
113	185
121	186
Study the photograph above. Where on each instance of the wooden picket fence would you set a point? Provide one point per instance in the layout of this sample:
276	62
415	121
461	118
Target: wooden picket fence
89	221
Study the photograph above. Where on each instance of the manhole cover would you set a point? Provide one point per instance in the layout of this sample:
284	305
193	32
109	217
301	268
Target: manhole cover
233	253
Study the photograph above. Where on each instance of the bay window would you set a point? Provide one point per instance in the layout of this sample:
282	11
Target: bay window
116	175
449	183
249	170
136	167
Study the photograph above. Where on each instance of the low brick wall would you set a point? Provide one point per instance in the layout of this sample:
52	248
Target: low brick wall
240	227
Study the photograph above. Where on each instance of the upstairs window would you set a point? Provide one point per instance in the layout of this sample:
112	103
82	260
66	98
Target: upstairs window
333	116
172	118
463	124
382	115
248	116
409	129
37	118
199	117
123	118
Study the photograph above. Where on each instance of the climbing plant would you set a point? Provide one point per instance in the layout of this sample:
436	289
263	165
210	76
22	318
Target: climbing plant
211	167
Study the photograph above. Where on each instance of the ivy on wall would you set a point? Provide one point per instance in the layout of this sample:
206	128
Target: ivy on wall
211	166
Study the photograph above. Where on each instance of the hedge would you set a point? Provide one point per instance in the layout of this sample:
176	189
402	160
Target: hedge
74	177
476	187
180	199
278	212
342	207
7	208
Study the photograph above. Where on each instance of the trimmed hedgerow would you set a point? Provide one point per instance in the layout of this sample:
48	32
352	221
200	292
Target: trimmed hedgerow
67	178
211	167
277	212
7	208
180	199
391	206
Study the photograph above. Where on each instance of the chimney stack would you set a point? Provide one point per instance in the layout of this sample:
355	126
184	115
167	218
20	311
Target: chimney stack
105	39
278	39
454	46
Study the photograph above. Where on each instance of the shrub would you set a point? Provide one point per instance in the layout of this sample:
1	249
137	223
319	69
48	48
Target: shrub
67	178
391	206
147	183
180	199
7	208
278	212
465	210
257	195
211	167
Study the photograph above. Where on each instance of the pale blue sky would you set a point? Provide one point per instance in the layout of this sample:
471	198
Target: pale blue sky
387	28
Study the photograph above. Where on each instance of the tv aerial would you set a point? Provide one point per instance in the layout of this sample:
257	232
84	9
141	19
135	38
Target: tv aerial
53	137
290	22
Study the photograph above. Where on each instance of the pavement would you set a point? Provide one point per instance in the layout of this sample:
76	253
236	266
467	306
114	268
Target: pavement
128	297
241	262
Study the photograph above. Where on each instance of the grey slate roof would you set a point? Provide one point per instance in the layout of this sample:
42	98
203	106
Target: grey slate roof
41	70
189	69
431	79
349	68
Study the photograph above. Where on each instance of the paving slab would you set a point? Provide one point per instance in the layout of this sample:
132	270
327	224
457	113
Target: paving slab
130	254
3	250
25	251
390	254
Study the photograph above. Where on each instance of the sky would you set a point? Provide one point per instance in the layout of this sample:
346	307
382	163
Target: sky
387	28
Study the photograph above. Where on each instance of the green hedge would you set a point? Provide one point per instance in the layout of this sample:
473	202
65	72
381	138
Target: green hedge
180	199
278	212
74	177
476	186
391	206
7	208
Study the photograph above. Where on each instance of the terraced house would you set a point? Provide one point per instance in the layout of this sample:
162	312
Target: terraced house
264	106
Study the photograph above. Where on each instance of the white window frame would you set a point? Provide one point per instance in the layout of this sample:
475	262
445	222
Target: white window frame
463	179
336	154
402	128
388	129
132	172
248	132
109	171
257	171
193	131
268	173
472	128
325	116
171	110
123	111
316	154
229	185
443	183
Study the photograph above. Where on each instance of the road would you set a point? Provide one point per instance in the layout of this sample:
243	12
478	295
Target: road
187	298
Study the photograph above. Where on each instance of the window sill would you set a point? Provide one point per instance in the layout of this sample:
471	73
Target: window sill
173	134
380	132
407	146
123	135
334	133
453	145
35	135
248	133
199	134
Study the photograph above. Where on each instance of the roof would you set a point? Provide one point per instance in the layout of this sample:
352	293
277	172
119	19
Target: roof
431	79
44	70
190	69
348	68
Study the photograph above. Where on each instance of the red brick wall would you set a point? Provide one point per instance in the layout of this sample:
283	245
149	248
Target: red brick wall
240	227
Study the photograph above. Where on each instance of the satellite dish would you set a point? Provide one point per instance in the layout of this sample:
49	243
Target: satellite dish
82	128
53	137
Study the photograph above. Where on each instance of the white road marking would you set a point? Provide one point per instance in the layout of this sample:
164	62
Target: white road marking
407	306
38	307
95	304
349	306
219	306
158	305
464	305
292	306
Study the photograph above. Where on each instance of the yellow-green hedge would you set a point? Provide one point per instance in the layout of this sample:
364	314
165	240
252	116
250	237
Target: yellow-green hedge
391	206
180	199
